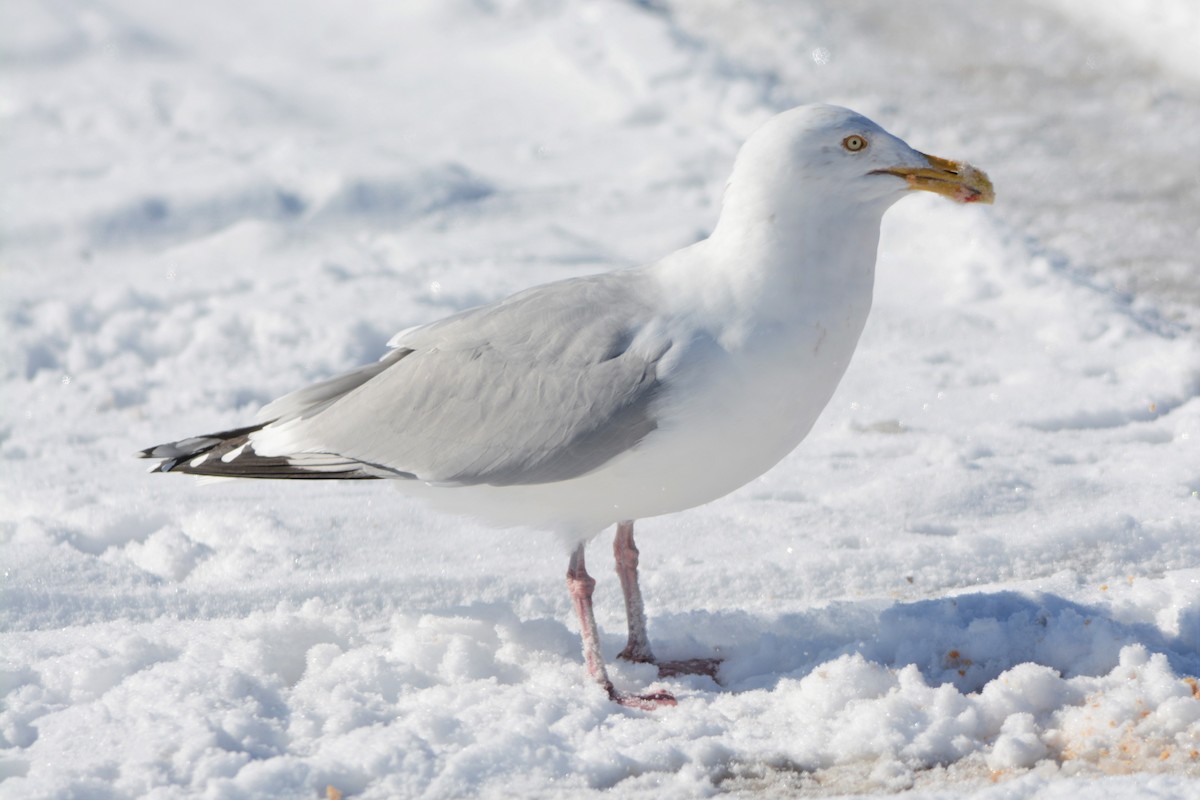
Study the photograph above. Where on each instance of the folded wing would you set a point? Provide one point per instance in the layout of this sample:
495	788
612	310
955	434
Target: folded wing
545	386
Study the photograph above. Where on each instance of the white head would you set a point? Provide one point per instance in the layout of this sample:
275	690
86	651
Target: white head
817	164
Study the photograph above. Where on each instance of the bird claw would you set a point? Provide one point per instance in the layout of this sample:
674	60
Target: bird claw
652	701
646	702
690	666
671	669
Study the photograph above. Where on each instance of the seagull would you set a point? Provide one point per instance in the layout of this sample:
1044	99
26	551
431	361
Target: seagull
605	399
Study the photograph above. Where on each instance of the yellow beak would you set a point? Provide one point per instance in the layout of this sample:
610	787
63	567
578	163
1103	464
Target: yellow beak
957	180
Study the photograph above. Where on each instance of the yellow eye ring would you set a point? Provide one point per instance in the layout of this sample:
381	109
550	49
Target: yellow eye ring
854	143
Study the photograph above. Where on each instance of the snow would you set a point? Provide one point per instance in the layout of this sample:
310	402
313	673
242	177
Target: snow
979	576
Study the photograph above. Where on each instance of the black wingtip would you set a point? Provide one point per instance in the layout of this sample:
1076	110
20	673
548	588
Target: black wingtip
229	454
183	450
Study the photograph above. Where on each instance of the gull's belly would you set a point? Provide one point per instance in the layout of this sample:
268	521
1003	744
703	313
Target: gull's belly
725	429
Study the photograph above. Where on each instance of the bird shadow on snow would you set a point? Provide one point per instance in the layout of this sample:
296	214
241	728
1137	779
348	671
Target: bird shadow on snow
966	640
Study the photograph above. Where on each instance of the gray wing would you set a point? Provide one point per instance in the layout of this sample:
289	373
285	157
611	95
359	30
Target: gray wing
544	386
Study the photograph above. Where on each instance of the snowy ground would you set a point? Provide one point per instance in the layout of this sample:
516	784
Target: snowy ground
979	575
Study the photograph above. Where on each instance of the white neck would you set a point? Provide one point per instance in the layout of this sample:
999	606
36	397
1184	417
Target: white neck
765	267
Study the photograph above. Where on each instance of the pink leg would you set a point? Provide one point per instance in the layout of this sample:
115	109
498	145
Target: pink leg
638	648
581	585
626	554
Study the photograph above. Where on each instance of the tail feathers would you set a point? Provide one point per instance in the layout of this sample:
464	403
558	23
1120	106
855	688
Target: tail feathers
230	454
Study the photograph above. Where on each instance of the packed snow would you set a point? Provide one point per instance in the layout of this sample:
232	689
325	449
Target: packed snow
978	576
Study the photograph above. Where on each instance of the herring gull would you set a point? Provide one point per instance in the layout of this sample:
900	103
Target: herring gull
601	400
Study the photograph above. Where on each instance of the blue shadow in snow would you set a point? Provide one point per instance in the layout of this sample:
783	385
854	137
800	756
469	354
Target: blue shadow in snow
966	640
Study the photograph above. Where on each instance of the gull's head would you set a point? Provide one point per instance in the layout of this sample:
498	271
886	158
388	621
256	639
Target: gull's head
819	160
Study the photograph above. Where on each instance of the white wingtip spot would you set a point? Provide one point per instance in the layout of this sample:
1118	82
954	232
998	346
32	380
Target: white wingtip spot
198	460
232	454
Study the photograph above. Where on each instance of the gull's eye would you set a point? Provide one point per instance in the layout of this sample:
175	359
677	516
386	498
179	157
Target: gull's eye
854	143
